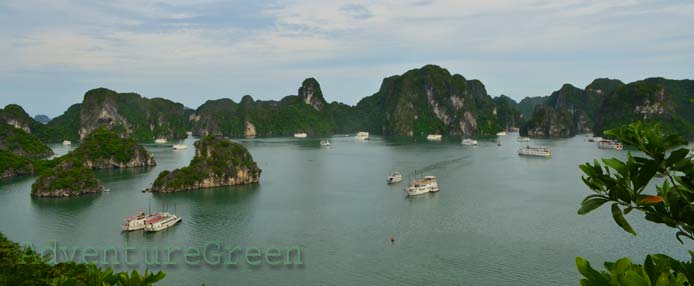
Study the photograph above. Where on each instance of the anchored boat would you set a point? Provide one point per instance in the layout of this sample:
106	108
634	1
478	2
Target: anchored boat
161	221
502	133
160	141
535	151
325	143
426	185
469	142
67	143
434	137
523	139
136	222
395	177
179	146
300	135
362	135
610	144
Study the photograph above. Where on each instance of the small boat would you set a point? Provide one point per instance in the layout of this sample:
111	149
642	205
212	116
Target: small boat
498	142
189	133
136	222
434	137
469	142
300	135
179	146
610	144
161	221
160	141
325	143
535	151
395	177
502	133
362	135
523	139
67	143
426	185
595	139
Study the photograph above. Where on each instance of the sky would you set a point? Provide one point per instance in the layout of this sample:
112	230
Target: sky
53	51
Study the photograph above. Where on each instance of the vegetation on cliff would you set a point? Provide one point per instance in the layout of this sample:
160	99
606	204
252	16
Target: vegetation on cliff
20	152
23	266
217	162
627	186
132	115
65	126
72	174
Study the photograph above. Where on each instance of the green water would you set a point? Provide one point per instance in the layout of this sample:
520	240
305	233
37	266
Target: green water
499	219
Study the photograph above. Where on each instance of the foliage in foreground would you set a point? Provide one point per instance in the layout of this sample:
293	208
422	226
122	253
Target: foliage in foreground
23	266
624	184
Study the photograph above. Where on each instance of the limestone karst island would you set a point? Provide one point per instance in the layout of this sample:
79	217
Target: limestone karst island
302	142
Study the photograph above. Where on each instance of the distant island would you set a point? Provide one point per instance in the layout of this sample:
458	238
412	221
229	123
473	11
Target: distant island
217	162
101	149
423	101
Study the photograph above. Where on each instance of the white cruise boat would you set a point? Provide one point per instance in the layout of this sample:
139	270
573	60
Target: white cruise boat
362	135
67	143
161	221
426	185
300	135
325	143
535	151
469	142
189	133
160	141
179	146
395	177
610	144
595	139
502	133
523	139
434	137
136	222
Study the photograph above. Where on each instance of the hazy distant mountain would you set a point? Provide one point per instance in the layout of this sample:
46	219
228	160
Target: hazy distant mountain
42	118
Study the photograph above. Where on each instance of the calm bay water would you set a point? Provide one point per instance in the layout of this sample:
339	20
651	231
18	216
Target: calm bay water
499	219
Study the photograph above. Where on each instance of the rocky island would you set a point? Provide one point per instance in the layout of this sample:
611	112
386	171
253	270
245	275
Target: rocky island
101	149
20	151
217	162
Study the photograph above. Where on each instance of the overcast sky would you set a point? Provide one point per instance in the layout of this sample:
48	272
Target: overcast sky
190	51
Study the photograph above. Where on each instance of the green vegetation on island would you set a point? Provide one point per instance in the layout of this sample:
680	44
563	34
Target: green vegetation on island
21	265
217	162
72	174
21	152
627	186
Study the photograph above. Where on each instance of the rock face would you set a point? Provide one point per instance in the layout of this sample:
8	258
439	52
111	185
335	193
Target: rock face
104	149
217	162
307	112
569	110
140	118
68	179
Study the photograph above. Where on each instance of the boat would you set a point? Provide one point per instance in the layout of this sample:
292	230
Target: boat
469	142
136	222
502	133
514	129
610	144
523	139
595	139
179	146
189	133
535	151
161	221
434	137
395	177
362	135
160	141
426	185
67	143
300	135
325	143
498	142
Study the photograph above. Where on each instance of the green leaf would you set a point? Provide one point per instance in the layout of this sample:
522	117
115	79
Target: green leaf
591	203
634	279
620	220
616	164
593	276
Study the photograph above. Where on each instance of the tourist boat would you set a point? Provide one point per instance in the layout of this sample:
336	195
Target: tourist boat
535	151
426	185
610	144
161	221
179	146
362	135
469	142
395	177
136	222
434	137
523	139
502	133
595	139
160	141
300	135
189	133
325	143
67	143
